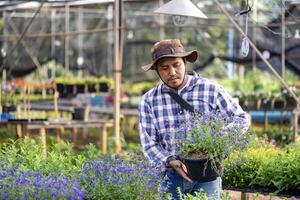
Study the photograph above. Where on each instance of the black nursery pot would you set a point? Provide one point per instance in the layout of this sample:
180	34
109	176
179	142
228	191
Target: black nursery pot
78	113
199	169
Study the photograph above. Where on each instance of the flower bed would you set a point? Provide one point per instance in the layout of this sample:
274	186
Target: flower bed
265	170
64	174
24	174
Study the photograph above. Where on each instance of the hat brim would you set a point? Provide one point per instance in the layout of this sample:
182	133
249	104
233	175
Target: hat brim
190	56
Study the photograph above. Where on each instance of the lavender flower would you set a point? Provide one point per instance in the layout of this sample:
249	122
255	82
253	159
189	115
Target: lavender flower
116	176
213	133
19	184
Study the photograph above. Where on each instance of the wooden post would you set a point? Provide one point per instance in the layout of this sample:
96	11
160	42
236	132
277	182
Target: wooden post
58	136
244	196
86	113
74	134
117	77
19	130
295	124
55	101
266	120
103	138
43	141
27	137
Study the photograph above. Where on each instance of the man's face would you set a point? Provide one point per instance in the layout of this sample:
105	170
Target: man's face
171	71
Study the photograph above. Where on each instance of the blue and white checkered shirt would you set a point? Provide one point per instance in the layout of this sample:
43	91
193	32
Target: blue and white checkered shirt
160	115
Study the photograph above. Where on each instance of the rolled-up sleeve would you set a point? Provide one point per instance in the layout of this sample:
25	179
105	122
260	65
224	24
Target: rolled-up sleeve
228	106
150	140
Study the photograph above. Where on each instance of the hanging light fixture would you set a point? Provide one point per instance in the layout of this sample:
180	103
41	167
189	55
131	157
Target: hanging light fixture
295	2
297	35
180	10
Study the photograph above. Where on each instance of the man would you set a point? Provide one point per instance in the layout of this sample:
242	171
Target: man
160	115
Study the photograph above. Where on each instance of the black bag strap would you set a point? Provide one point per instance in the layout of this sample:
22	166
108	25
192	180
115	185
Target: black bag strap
185	105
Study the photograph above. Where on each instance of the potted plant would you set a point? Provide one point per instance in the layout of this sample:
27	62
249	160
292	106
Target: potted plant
104	84
205	140
252	101
279	102
8	99
79	86
91	83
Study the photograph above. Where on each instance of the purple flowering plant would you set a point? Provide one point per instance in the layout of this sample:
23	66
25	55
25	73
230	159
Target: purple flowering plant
211	135
16	183
114	177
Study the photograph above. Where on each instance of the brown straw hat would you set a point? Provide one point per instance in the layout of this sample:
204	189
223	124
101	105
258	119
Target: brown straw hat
169	48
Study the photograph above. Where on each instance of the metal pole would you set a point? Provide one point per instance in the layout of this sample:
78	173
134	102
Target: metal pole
161	23
117	78
254	31
282	39
66	39
53	23
259	53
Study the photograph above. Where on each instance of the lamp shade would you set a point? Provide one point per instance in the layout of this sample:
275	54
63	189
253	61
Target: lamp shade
182	8
295	2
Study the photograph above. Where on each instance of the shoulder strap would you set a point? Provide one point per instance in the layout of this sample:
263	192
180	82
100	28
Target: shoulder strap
185	105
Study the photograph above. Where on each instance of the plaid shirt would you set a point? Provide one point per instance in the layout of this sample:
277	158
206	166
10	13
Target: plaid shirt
160	115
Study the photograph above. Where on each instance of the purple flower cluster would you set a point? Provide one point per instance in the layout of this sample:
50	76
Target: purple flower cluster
107	178
16	183
213	133
117	175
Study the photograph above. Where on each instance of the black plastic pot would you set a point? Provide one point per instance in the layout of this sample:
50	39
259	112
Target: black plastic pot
80	88
291	103
199	169
8	108
78	113
266	104
91	88
103	87
252	104
61	90
279	104
70	90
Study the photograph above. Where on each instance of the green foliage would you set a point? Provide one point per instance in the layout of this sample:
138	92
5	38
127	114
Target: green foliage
72	80
214	135
201	195
255	82
240	168
264	167
138	88
62	162
280	173
281	135
129	177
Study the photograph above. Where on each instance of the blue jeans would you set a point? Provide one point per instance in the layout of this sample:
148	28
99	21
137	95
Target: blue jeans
172	181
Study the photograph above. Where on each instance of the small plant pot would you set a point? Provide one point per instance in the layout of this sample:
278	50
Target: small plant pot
8	108
103	87
266	104
78	113
80	88
91	88
279	104
200	169
252	104
291	103
70	90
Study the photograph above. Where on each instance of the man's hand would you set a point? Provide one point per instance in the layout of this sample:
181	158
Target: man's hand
181	169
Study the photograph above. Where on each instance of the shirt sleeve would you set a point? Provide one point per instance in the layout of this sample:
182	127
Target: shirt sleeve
150	139
228	106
